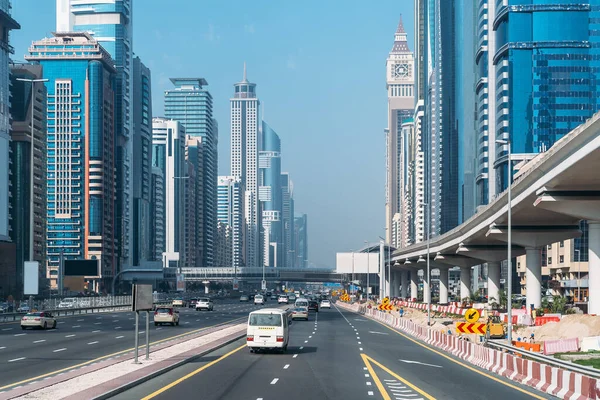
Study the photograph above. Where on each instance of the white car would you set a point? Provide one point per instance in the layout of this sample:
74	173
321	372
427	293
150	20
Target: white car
24	308
325	304
204	304
69	302
282	299
43	320
166	315
259	299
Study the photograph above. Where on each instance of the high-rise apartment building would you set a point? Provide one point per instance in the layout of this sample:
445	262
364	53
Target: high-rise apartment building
301	238
270	197
400	82
142	162
245	145
111	24
81	147
195	203
168	154
190	103
189	225
224	248
157	210
230	212
287	217
21	167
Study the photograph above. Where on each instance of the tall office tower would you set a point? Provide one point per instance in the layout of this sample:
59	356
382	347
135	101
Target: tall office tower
168	154
142	162
157	210
231	213
301	239
245	144
21	169
189	225
190	103
403	223
5	50
400	91
194	155
81	148
269	194
110	23
287	217
224	248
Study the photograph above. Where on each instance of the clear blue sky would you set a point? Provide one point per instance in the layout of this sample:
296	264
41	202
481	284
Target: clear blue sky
319	67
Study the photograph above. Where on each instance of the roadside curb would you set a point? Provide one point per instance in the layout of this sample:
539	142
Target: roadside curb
212	347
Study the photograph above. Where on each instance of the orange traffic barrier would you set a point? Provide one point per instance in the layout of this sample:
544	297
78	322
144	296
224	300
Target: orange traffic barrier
539	321
537	347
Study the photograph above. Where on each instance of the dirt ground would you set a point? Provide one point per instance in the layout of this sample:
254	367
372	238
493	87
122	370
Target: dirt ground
570	326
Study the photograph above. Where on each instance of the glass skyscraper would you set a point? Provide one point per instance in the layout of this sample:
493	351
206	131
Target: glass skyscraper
190	103
230	212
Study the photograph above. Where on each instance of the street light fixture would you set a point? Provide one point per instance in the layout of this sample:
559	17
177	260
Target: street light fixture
31	160
507	143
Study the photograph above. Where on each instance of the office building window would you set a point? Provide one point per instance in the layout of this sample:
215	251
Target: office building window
561	259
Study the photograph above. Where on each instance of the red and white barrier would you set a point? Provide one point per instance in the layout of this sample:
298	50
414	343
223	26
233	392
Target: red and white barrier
561	345
554	381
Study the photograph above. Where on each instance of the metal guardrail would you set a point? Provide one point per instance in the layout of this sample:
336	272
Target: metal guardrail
567	365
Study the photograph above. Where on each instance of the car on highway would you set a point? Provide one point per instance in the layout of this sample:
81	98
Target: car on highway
166	315
259	299
268	329
282	299
178	302
313	306
301	302
204	304
192	303
325	303
274	297
23	308
68	302
251	295
300	313
42	320
292	298
244	298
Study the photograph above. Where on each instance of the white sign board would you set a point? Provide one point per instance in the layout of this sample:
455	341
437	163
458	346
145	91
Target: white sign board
31	278
357	263
143	299
264	285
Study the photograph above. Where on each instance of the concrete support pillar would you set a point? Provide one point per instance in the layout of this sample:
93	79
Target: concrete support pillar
414	286
493	282
465	282
594	268
533	259
426	287
443	285
404	289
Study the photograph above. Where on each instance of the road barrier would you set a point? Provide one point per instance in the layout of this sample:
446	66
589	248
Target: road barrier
561	379
561	346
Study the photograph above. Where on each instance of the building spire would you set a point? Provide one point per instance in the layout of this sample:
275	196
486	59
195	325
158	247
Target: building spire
245	75
400	40
400	26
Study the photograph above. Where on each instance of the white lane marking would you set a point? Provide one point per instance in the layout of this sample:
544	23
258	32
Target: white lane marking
119	337
96	331
79	320
93	342
97	323
158	329
274	381
76	326
117	327
116	320
98	317
314	332
306	341
359	342
368	383
39	341
58	350
20	334
286	366
69	335
140	332
260	398
62	322
366	375
187	322
295	355
3	347
378	333
418	362
301	347
7	329
310	336
360	348
16	359
365	368
370	393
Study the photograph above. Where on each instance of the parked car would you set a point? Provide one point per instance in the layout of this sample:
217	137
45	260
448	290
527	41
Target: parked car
204	304
166	315
42	320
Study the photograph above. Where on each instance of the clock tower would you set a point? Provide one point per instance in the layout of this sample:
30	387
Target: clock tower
400	84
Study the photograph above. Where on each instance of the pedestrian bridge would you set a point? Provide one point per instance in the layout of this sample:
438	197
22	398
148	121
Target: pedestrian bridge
249	274
551	194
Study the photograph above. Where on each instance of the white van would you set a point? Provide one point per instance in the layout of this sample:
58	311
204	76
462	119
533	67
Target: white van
268	329
301	302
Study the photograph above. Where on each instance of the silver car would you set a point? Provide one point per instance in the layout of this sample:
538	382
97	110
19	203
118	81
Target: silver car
43	320
204	304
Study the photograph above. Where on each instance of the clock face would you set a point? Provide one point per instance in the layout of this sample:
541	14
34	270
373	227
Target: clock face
401	70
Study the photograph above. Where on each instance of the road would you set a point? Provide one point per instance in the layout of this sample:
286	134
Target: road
29	355
335	355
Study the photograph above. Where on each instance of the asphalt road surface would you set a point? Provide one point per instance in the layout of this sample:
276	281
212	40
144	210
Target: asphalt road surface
30	355
335	355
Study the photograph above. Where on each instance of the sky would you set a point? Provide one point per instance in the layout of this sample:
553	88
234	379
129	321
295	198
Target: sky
319	67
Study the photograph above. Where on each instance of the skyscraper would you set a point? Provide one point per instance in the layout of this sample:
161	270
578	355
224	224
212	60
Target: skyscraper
287	217
190	218
157	210
245	145
230	212
112	25
190	103
194	156
301	237
168	154
21	146
142	161
270	194
80	141
400	90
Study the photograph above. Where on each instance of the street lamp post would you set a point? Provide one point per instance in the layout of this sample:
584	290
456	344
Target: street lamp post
31	161
428	266
578	274
368	267
506	142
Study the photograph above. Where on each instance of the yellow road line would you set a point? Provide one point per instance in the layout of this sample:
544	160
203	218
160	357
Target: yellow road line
535	396
369	360
183	378
378	383
35	378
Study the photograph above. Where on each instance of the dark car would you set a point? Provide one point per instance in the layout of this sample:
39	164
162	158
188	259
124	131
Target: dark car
192	303
313	306
251	297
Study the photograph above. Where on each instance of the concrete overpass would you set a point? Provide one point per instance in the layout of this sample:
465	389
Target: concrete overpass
551	194
247	274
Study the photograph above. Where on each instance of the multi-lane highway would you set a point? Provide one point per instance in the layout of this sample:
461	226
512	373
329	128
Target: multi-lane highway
30	355
335	355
